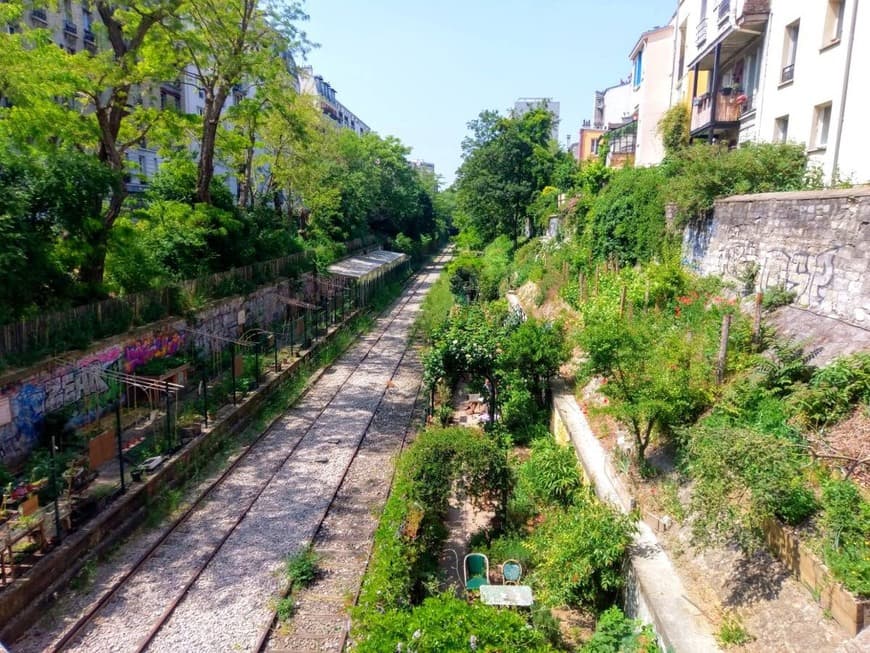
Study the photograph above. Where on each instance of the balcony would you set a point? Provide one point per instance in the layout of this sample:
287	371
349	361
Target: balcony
69	27
729	108
89	37
39	16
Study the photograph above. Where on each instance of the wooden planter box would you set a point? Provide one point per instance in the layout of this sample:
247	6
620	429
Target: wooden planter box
849	611
102	448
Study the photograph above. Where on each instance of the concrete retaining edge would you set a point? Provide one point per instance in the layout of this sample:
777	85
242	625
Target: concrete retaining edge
654	591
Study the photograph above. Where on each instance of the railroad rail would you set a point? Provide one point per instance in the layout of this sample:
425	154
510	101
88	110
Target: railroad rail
104	614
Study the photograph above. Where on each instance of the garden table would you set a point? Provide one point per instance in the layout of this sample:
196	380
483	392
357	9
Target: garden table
509	595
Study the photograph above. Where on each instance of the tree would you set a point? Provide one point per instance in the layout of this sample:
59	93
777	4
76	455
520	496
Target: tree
231	43
101	103
535	350
506	161
656	378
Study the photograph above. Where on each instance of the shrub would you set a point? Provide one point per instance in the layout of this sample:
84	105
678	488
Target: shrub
700	174
777	296
551	473
846	522
627	220
833	391
578	553
444	623
743	477
616	633
301	569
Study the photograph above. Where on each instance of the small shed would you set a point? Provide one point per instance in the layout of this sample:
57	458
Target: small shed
364	267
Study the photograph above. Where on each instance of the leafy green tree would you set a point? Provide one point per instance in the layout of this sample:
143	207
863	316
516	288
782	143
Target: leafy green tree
535	350
656	377
102	103
230	44
506	160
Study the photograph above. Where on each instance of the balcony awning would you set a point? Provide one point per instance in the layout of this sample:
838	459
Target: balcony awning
732	41
365	266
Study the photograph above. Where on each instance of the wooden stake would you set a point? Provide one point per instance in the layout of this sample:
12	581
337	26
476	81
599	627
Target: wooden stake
622	301
723	349
756	323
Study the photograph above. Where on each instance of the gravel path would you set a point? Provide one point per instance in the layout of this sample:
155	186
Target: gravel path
344	541
309	449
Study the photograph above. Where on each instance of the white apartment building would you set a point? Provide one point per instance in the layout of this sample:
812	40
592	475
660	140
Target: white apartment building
652	65
776	70
525	104
815	90
317	87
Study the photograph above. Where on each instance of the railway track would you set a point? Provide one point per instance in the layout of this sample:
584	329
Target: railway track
183	592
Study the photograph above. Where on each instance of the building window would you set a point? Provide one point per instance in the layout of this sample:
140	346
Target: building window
821	125
833	22
789	51
638	68
780	129
681	61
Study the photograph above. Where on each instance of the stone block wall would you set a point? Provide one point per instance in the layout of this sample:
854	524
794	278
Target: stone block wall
814	243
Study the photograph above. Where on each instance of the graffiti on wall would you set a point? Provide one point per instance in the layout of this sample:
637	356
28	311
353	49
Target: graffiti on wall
80	384
809	275
143	350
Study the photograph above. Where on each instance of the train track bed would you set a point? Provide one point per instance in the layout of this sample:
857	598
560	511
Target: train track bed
210	581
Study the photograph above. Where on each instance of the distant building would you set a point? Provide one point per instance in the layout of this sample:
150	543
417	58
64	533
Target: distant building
652	66
316	86
524	105
419	164
612	110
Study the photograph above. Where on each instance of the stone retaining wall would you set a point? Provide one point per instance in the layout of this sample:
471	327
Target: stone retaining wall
22	602
815	243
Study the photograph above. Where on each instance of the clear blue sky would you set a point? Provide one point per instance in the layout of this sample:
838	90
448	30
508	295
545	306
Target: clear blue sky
421	70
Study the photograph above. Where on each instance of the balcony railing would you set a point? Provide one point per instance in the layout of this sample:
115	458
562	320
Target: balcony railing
69	27
728	109
787	74
89	37
39	16
701	33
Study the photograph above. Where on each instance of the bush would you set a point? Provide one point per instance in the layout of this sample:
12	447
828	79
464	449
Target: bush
846	522
627	220
700	174
777	296
833	391
578	553
616	633
444	624
551	474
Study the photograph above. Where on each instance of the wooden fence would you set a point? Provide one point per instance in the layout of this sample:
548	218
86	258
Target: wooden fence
26	341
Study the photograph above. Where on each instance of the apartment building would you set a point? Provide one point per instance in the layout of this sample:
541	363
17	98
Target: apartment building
652	66
71	25
612	108
325	94
813	91
526	104
777	70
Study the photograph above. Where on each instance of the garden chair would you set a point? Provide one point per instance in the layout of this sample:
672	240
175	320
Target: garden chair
511	571
476	569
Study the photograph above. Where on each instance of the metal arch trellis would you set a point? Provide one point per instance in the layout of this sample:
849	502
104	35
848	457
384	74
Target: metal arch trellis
216	353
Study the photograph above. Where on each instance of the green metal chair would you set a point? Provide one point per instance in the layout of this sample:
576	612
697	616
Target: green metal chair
512	571
476	569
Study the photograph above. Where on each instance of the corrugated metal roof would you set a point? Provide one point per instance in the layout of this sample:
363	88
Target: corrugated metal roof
364	265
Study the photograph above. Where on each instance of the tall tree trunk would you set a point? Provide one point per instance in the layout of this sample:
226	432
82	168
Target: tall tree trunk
246	189
214	104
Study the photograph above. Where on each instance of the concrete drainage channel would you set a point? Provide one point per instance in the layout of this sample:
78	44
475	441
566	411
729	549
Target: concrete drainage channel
22	603
654	592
